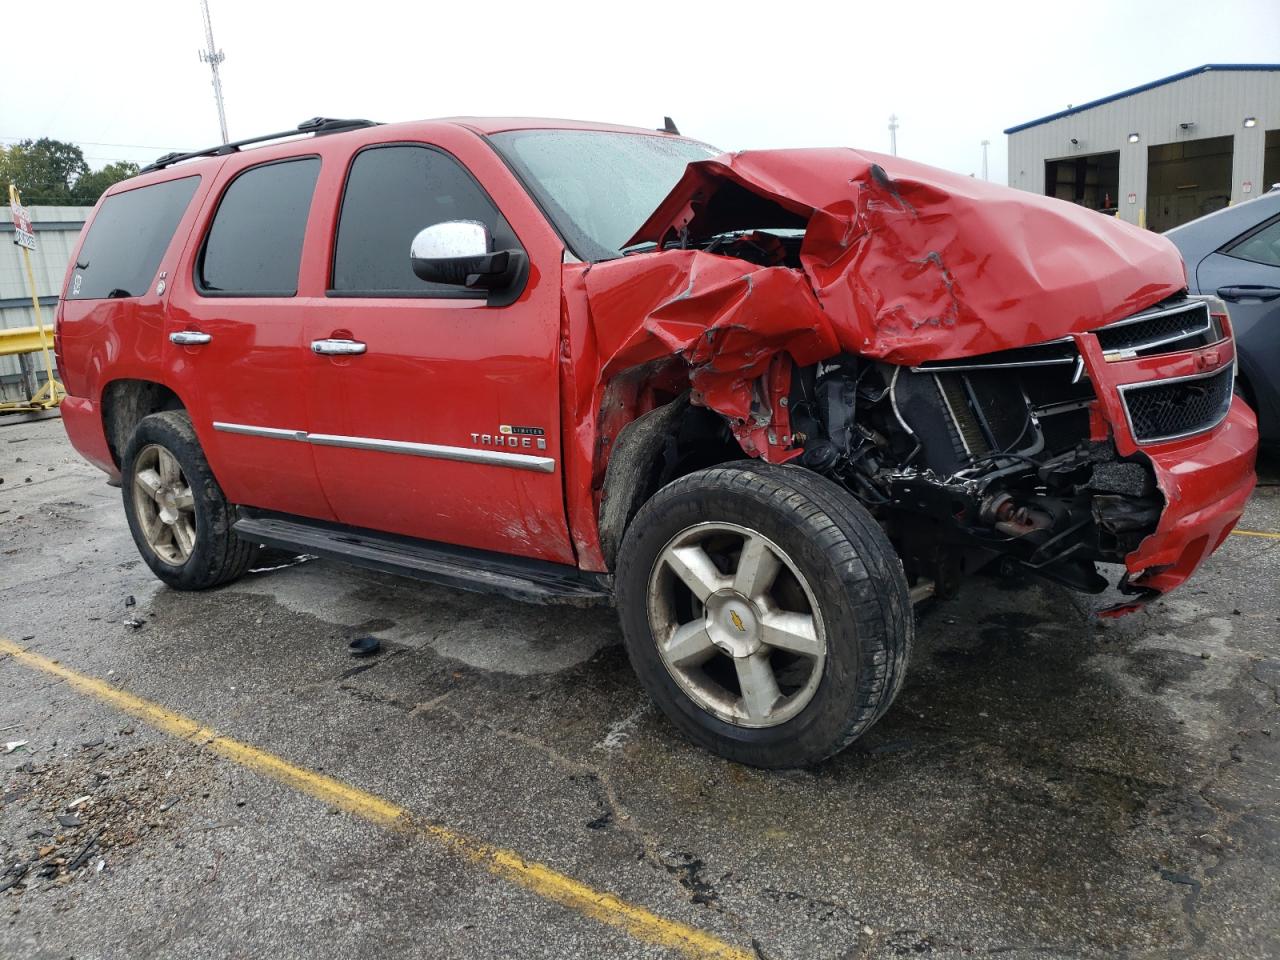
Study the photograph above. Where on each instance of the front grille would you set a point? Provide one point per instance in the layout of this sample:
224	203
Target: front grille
1051	353
1182	327
1167	409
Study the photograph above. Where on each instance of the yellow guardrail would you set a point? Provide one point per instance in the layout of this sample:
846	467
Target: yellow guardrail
30	339
15	340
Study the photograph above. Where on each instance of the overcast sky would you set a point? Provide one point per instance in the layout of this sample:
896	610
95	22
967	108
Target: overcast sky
124	80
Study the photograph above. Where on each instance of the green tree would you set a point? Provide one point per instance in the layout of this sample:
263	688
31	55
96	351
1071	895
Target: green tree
45	170
91	185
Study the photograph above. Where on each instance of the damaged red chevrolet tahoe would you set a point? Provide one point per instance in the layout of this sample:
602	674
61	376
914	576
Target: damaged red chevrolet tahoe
762	401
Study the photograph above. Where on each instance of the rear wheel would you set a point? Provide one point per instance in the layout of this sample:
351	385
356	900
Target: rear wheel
177	513
765	612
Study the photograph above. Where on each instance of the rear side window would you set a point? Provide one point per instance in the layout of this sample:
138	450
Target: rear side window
1261	246
128	237
392	193
254	245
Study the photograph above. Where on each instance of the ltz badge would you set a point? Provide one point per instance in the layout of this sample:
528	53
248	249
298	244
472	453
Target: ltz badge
509	436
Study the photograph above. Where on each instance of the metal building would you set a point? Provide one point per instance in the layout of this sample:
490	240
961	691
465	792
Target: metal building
56	230
1162	153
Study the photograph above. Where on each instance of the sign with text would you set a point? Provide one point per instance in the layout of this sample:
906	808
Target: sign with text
23	235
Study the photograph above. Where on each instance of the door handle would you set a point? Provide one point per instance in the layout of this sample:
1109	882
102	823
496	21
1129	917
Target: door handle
337	348
1247	292
190	338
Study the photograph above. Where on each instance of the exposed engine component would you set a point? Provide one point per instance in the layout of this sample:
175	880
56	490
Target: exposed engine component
968	462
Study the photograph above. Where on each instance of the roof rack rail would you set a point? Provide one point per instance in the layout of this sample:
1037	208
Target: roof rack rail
316	125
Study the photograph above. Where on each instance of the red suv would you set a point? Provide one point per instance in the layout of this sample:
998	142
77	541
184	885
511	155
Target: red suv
761	401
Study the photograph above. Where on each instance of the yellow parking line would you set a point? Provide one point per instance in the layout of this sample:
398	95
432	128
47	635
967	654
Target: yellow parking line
1256	533
541	880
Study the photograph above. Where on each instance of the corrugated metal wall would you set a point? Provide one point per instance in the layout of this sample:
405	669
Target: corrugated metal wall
1216	102
57	229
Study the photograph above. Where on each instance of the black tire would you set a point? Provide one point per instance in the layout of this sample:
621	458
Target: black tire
218	555
852	571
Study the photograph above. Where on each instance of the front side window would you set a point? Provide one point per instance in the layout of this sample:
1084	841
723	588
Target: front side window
254	245
392	193
597	186
128	237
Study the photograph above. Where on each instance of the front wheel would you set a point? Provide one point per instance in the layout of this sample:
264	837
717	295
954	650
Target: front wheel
765	612
177	513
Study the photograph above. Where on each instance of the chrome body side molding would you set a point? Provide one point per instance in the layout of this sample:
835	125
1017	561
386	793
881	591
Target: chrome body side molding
520	461
274	433
433	451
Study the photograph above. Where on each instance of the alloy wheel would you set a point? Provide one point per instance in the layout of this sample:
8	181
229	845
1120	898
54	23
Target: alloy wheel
736	624
164	504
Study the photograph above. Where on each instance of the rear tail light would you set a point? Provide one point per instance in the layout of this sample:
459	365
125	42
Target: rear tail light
57	338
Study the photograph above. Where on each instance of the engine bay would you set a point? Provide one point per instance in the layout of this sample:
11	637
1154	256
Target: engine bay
974	462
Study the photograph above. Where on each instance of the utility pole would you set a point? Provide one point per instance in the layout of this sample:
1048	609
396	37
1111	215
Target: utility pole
985	144
213	56
893	134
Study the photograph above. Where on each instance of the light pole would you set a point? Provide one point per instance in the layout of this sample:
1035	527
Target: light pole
893	134
985	144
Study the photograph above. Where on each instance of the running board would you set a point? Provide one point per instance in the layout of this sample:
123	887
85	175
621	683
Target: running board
477	571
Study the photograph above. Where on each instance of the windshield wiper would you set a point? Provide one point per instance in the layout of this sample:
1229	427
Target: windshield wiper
644	247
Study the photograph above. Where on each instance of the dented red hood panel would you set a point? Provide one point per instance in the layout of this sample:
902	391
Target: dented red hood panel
910	263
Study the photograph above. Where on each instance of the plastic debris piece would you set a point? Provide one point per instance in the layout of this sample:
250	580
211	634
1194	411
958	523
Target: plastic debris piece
13	876
78	801
13	745
83	855
300	558
70	820
364	646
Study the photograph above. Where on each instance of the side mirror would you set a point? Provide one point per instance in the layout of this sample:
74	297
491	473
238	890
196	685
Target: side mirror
458	252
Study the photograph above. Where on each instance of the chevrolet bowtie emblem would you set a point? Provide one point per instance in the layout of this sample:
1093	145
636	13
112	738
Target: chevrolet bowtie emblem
737	621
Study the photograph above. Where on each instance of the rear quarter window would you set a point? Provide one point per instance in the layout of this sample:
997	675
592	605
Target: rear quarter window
1261	245
127	239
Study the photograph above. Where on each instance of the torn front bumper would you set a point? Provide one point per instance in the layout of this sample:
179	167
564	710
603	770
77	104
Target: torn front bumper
1205	478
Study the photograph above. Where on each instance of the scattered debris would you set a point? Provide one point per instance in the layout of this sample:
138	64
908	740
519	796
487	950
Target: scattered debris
69	820
13	745
129	601
1182	879
13	876
83	855
364	646
134	623
300	558
620	730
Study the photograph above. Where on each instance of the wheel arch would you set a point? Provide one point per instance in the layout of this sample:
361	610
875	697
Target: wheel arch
659	446
125	402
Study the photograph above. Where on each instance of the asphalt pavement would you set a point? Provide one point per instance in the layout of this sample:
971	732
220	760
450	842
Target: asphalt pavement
494	783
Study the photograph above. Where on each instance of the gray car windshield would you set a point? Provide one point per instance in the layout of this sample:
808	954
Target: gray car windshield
598	187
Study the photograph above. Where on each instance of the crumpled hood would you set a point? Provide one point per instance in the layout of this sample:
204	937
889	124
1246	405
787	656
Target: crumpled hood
911	263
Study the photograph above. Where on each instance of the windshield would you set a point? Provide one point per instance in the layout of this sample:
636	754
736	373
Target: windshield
598	187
